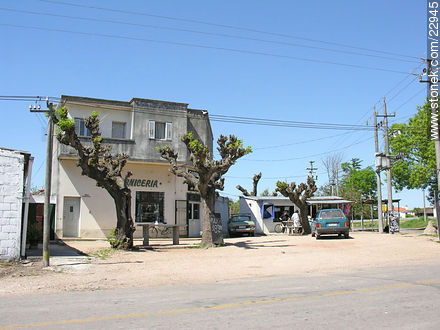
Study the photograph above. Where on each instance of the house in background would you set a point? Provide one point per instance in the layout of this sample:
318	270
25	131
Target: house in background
136	128
266	210
403	212
15	181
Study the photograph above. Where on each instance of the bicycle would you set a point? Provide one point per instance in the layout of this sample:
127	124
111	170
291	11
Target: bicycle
156	232
280	227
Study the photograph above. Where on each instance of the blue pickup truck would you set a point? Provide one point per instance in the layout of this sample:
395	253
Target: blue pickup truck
330	221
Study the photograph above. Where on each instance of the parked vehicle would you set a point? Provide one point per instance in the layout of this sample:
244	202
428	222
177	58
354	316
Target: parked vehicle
241	224
330	221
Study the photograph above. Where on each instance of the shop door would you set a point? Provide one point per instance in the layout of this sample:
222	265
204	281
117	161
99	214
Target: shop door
71	217
193	219
181	218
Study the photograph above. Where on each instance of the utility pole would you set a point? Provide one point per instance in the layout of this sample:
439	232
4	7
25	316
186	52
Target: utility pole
311	169
47	186
379	186
47	182
387	159
387	154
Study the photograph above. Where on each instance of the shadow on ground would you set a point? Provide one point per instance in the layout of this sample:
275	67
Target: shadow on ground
56	249
250	244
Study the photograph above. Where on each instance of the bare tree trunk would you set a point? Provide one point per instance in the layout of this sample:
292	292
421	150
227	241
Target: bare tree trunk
304	212
208	205
124	226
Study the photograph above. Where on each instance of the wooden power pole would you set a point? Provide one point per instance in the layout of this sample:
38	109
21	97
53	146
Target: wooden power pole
47	187
379	185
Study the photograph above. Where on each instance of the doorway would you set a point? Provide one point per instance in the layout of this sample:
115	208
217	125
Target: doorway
71	216
193	219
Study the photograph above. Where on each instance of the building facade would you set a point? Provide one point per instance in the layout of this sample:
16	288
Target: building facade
137	128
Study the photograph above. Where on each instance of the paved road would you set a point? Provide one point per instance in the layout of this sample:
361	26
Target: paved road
393	297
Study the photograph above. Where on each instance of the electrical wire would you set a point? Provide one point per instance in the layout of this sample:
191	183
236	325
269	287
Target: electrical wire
138	13
401	90
300	142
271	178
308	156
252	120
185	44
91	19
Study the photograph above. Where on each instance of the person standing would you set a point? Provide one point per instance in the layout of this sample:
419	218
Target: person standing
296	220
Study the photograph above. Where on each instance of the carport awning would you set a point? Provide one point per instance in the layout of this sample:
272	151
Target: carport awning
328	201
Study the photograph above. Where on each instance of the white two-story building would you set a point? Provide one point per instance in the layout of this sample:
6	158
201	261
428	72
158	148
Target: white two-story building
136	127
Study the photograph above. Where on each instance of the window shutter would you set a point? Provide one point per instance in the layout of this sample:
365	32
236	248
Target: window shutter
169	131
151	129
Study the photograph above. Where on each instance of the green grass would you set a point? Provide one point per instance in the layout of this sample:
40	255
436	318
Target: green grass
404	223
103	254
416	222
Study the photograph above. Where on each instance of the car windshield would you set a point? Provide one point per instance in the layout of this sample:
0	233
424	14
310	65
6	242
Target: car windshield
240	218
332	214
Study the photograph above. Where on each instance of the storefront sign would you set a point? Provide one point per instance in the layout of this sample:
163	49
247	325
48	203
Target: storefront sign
142	183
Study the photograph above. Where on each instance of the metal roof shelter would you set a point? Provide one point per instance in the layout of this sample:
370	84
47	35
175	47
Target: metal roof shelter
327	200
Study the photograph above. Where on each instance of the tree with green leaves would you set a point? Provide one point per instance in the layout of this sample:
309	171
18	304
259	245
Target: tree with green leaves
299	195
358	184
205	174
99	164
234	207
265	192
417	168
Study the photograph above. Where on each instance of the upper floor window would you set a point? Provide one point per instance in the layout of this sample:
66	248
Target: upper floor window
80	127
160	130
118	130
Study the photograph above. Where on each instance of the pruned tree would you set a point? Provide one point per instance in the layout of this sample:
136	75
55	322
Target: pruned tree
205	173
299	195
99	164
255	180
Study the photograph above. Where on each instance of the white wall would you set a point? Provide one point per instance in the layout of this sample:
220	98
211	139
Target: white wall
11	193
97	209
222	207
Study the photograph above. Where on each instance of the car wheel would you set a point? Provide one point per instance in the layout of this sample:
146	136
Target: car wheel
252	234
346	236
317	236
231	234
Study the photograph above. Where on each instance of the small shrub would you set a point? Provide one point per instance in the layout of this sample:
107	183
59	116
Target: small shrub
117	240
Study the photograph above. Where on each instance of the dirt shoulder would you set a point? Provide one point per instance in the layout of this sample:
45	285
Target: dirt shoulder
242	257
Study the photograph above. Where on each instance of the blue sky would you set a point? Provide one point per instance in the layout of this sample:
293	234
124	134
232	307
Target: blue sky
224	82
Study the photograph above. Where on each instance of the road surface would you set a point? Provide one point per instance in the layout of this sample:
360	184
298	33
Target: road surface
406	297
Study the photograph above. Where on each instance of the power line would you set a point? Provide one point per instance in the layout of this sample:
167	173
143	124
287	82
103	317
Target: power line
408	100
401	90
175	43
284	123
253	120
300	142
90	19
271	178
223	26
309	156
